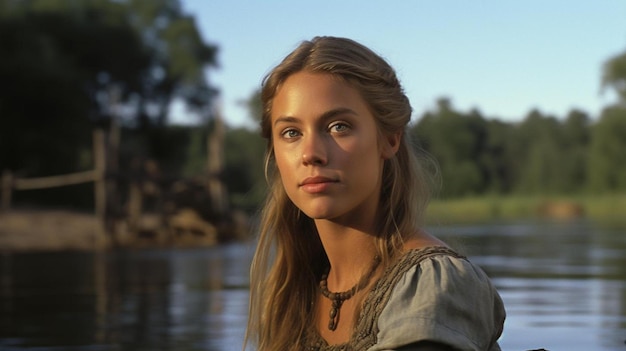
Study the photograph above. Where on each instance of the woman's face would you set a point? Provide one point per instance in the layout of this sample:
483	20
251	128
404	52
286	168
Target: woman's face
327	148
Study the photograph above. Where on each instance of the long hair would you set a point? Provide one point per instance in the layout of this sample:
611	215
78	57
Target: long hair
290	258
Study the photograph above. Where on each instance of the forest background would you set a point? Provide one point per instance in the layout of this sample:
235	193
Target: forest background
68	67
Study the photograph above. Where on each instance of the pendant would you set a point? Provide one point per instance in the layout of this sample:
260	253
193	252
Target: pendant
334	314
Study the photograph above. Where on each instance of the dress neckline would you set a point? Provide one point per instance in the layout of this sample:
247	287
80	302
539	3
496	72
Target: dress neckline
365	332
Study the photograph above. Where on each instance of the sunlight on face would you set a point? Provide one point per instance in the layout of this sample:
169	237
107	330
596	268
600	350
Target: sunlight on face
327	148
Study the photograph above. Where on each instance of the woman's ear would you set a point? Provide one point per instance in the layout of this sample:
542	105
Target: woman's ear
391	144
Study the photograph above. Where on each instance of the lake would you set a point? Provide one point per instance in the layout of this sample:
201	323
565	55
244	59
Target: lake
563	284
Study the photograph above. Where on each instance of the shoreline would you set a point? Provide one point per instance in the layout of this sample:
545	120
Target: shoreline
50	230
603	209
23	230
33	230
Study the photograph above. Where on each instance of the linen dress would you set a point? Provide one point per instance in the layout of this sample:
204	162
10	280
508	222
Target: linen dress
429	294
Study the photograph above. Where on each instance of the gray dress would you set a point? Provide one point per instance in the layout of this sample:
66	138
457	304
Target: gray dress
429	294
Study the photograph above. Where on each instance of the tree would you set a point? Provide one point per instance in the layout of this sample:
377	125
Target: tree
607	155
576	137
614	75
539	149
179	58
94	59
607	152
497	158
53	69
69	66
456	141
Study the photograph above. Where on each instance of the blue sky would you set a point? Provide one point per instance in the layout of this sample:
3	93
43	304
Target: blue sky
502	57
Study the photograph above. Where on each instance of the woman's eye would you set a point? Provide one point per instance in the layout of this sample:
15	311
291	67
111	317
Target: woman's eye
290	133
339	127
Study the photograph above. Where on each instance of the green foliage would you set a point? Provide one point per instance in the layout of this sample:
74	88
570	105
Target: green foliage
497	160
244	172
44	112
614	75
539	146
540	155
179	57
70	66
456	141
576	138
607	166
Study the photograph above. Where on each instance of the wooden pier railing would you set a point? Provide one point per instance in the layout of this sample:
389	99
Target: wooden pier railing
11	183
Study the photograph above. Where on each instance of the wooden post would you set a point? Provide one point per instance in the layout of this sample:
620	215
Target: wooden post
112	206
135	206
7	190
215	153
99	156
113	145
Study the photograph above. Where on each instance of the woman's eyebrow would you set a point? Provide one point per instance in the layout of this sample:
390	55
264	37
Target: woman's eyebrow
338	111
326	115
286	119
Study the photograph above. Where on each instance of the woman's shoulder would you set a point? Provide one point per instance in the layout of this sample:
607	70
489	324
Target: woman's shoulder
438	270
418	276
435	293
440	259
426	257
415	259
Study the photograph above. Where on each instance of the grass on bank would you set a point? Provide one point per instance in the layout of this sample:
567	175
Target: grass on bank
607	209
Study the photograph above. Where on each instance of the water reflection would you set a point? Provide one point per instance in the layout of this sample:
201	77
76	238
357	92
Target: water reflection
128	300
563	283
564	286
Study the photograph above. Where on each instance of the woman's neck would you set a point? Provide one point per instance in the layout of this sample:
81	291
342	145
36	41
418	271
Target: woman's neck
350	252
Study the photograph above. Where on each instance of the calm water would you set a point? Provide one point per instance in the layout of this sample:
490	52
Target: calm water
564	286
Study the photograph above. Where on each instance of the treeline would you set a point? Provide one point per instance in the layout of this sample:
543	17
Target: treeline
541	154
68	67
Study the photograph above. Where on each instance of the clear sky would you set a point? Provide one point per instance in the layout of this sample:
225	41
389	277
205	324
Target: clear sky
502	57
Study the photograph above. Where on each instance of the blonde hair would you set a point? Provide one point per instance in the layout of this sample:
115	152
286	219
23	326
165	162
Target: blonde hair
289	259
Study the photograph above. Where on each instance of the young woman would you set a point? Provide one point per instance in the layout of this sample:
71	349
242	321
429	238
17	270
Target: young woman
342	262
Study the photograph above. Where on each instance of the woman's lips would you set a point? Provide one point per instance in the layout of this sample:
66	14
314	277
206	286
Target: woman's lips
317	184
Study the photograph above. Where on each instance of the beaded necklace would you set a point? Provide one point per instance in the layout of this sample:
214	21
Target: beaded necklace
338	298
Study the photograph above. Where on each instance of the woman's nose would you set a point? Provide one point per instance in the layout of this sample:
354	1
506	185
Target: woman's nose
314	151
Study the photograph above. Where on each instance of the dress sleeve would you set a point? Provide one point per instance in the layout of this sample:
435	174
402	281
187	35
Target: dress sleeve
444	300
